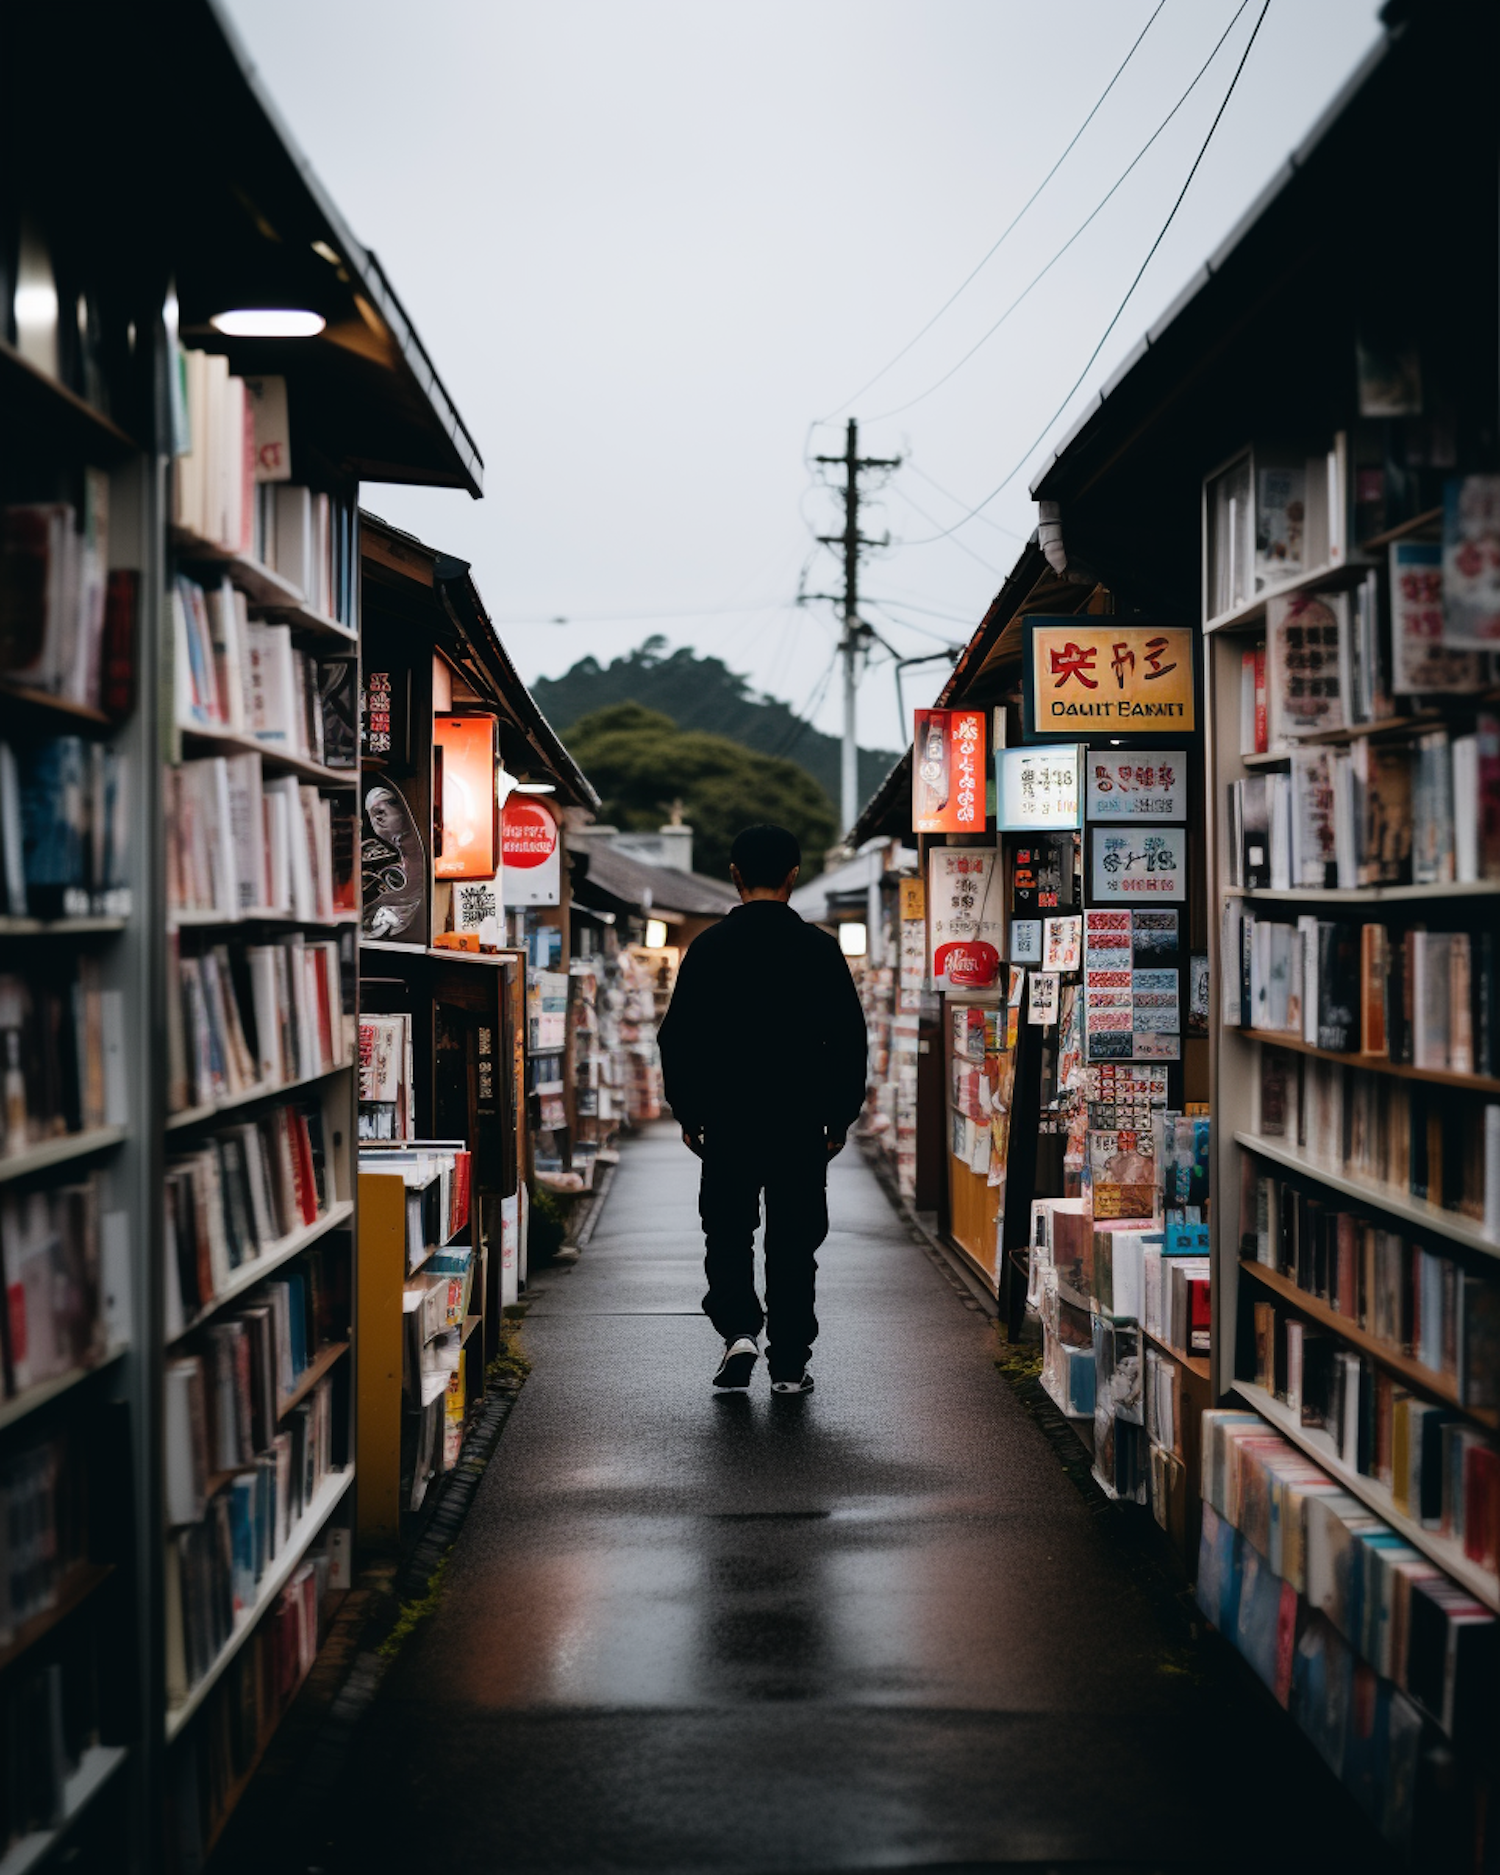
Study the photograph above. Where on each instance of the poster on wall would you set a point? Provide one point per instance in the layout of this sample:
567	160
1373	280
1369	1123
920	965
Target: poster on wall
1137	784
532	853
965	920
393	869
1087	677
1135	865
949	772
1131	986
1037	788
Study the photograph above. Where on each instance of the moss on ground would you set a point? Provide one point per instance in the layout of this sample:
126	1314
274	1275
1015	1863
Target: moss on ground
413	1613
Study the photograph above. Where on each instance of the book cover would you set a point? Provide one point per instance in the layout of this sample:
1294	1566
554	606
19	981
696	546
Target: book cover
1471	562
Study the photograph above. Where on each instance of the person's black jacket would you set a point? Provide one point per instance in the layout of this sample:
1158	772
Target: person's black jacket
765	1031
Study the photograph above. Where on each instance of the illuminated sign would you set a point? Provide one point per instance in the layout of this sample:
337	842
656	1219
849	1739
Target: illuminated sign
1037	788
1087	677
531	850
948	772
465	760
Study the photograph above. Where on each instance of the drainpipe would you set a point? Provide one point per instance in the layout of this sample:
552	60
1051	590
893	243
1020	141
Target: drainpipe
1049	536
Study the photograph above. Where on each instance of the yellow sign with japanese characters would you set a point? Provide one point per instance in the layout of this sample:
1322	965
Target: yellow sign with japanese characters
1086	677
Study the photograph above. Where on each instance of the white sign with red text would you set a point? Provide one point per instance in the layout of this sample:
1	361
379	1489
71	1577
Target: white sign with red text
531	848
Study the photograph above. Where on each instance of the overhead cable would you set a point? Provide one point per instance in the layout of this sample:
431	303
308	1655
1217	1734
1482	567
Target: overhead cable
974	275
1119	310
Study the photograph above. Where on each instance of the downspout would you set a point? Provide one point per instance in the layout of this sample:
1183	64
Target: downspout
1049	536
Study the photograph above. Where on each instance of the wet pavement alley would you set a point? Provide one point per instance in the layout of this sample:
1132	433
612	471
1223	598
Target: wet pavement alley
874	1627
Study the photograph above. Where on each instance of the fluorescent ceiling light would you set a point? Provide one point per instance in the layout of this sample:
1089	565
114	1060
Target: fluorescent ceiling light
268	322
854	939
656	934
535	787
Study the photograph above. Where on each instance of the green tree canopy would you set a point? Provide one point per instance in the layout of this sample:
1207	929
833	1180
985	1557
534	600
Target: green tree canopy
641	762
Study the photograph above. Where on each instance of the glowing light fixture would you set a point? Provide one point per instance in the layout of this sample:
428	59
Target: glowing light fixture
535	787
269	322
656	934
466	750
854	939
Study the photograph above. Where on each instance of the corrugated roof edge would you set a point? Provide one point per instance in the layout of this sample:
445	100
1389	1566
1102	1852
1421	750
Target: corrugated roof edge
1279	181
373	277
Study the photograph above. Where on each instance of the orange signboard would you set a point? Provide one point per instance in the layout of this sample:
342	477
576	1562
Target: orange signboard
949	772
469	812
1084	678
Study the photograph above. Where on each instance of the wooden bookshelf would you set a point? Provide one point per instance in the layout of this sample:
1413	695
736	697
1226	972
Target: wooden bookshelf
13	1411
60	1151
96	1767
60	927
268	592
279	761
263	1090
1327	578
1439	1386
1424	526
1444	1551
59	715
1375	1064
326	1360
337	1216
71	424
1365	894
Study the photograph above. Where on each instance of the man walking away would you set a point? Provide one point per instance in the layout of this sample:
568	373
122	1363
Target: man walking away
763	1058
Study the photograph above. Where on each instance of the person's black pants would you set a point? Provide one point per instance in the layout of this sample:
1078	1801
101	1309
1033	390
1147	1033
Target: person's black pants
793	1174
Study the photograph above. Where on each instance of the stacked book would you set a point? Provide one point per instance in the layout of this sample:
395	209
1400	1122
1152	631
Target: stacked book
386	1104
61	1053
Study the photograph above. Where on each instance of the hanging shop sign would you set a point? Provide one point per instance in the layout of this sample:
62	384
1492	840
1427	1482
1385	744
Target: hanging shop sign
384	715
949	769
466	757
1140	784
1086	678
1037	787
393	869
913	899
532	852
1138	865
965	925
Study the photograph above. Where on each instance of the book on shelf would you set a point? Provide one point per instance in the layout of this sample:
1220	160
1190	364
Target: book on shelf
63	815
232	487
1417	1302
54	1319
1471	582
67	620
51	1713
386	1101
42	1512
235	1197
241	844
1419	998
1423	810
250	1018
234	675
61	1053
216	1562
438	1175
1432	1144
224	1402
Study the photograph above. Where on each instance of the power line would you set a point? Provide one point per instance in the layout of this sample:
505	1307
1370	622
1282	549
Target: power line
958	502
802	719
1015	220
1037	279
1119	310
933	521
622	618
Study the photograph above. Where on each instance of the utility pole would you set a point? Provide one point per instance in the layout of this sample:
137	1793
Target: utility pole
856	633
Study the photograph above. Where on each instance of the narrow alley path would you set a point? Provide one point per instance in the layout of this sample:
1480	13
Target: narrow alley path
873	1628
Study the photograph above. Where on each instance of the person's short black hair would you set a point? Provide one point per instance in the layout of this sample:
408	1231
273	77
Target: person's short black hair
764	855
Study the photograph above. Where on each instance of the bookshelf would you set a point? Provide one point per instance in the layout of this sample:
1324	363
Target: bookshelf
132	437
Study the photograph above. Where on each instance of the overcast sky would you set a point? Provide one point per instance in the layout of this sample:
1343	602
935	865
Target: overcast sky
649	242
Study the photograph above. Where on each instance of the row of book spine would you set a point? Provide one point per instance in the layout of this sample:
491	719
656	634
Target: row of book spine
236	1198
1423	810
1439	1468
67	620
1435	1144
235	675
62	829
241	844
215	1566
41	1530
49	1718
1416	1301
246	1706
224	1403
51	1256
61	1052
387	1108
1418	998
247	1019
1402	1616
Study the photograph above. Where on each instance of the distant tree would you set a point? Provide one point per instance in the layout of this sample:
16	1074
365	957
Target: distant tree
703	693
641	762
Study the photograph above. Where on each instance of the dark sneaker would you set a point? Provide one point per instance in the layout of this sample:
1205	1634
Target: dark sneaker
740	1356
802	1384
